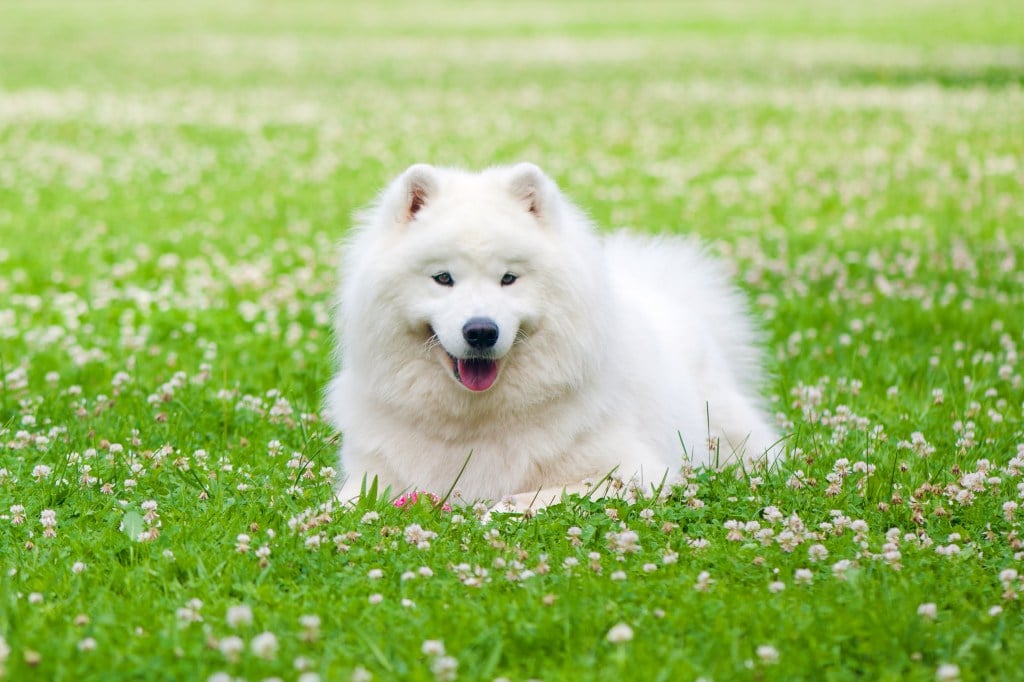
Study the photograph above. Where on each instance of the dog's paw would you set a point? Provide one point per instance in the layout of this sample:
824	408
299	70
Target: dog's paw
521	503
528	504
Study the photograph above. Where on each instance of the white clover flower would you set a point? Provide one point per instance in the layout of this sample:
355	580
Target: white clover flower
231	648
948	672
445	668
619	634
264	645
418	536
768	654
735	529
928	611
840	568
48	520
623	542
239	616
432	647
187	615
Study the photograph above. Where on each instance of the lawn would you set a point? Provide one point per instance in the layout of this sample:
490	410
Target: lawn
175	178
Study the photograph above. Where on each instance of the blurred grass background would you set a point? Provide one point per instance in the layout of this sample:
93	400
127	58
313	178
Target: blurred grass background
662	114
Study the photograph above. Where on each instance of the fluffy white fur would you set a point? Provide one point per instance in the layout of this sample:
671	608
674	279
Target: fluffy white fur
622	353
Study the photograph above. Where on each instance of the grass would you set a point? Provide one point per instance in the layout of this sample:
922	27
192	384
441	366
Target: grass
175	178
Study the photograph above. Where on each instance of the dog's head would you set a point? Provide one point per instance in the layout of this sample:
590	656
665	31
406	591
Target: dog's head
469	267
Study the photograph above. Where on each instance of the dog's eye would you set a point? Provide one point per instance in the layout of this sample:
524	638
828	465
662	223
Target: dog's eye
444	279
509	278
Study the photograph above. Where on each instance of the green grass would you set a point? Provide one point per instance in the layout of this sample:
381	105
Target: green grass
175	178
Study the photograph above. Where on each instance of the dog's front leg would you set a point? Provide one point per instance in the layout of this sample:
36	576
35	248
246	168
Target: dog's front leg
529	502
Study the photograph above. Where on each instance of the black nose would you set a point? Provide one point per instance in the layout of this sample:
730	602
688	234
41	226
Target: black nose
480	332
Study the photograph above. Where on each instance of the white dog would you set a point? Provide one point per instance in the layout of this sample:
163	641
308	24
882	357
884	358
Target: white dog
491	341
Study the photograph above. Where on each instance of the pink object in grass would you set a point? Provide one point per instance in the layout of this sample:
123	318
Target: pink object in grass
414	497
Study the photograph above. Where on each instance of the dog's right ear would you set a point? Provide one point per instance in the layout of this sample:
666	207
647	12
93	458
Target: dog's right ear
416	186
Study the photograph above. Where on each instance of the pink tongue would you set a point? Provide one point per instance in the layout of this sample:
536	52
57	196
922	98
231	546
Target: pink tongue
478	374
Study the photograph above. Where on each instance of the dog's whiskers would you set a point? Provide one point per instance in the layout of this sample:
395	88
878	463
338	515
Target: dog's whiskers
431	343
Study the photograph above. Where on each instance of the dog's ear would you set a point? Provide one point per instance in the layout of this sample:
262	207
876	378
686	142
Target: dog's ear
533	188
417	185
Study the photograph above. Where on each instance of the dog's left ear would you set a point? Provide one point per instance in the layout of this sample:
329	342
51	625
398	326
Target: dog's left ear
533	188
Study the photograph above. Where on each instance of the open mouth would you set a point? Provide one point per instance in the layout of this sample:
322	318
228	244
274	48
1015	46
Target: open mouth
476	374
